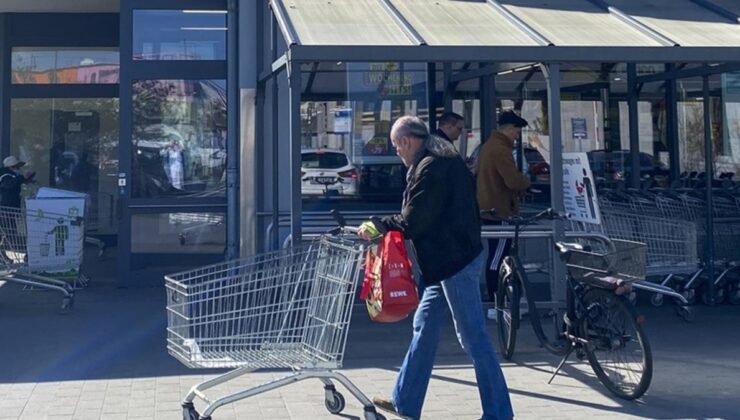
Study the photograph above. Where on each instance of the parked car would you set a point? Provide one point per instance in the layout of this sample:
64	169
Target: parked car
327	171
616	165
536	167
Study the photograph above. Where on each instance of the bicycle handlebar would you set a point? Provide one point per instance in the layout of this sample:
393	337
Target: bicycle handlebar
549	214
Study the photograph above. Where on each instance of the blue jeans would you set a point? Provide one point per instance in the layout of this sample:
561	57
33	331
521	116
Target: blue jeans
461	293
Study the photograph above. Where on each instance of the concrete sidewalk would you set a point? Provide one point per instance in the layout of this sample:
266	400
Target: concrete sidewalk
107	360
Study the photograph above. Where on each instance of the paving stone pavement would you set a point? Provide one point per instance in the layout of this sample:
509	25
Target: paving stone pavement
107	360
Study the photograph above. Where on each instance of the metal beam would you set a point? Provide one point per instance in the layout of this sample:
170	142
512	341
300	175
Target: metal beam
636	24
294	83
733	17
489	69
233	116
311	78
407	28
4	88
552	74
686	73
487	106
519	23
672	124
447	93
508	54
634	130
286	26
709	174
275	102
432	95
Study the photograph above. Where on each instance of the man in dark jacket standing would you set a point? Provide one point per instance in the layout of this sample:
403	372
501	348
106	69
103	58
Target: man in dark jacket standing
449	126
441	218
11	179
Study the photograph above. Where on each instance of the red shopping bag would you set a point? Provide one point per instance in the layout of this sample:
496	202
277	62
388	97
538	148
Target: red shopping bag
389	289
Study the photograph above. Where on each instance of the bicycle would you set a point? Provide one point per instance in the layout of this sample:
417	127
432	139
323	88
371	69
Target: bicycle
599	323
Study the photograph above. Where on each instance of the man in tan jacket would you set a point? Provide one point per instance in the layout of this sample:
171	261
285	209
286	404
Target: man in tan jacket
499	185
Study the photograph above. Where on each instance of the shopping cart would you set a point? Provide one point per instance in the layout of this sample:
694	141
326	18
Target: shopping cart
671	251
36	246
287	309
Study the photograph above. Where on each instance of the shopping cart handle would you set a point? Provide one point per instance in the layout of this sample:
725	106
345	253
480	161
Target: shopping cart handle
338	217
378	225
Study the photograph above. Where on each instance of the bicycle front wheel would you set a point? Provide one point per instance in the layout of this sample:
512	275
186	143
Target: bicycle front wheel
508	296
617	348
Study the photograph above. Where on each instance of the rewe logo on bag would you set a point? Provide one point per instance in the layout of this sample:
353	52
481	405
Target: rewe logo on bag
398	293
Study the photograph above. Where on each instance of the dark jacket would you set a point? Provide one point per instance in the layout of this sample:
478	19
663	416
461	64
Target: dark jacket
440	216
441	134
499	181
10	188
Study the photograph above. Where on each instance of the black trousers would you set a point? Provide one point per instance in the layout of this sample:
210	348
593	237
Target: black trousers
497	250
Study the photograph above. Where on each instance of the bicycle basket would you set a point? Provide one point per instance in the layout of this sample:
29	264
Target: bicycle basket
623	259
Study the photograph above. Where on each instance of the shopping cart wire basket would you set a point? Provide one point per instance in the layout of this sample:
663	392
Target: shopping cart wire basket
287	309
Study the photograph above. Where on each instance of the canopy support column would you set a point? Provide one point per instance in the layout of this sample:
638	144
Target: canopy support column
552	73
294	82
709	172
634	130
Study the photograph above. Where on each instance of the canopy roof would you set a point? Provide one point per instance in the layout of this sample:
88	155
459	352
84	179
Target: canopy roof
511	30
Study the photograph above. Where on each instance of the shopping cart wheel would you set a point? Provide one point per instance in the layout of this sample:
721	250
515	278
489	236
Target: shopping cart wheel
335	405
66	307
656	300
189	412
685	312
733	295
689	295
719	296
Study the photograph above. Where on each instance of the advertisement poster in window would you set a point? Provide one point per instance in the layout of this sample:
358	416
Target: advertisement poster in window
579	189
380	93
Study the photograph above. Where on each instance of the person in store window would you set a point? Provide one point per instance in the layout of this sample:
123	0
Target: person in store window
12	177
173	162
499	186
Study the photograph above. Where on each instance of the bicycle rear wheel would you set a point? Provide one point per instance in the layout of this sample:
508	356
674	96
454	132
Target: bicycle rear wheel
508	296
617	348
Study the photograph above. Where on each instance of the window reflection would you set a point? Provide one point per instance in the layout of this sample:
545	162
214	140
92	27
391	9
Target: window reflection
179	138
72	144
178	233
179	35
44	65
358	130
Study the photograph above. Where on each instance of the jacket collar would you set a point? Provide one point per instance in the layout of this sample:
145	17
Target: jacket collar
442	134
498	136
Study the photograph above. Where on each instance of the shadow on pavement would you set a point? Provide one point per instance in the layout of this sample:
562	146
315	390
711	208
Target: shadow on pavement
120	333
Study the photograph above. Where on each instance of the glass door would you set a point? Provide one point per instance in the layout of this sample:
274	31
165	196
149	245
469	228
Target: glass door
172	181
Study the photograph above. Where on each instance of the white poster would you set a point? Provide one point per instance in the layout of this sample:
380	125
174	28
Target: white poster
579	189
55	232
343	121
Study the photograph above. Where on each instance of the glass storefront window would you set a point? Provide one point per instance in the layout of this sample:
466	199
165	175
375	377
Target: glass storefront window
178	233
71	144
355	129
690	125
78	65
179	138
179	35
727	139
159	240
